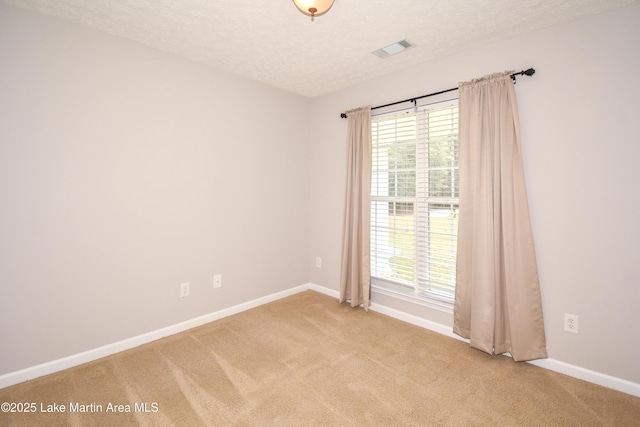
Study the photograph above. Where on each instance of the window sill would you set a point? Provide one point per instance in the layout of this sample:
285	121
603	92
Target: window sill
405	293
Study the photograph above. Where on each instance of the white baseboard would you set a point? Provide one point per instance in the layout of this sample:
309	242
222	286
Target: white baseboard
604	380
416	320
109	349
323	290
47	368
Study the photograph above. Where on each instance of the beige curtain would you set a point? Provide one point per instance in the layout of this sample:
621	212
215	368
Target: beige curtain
355	278
497	300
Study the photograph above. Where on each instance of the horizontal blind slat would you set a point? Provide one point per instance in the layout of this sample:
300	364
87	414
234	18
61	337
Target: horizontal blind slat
414	198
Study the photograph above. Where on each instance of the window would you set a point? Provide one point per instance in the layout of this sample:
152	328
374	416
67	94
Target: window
414	201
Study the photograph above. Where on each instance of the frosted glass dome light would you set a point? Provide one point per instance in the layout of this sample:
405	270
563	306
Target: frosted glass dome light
313	8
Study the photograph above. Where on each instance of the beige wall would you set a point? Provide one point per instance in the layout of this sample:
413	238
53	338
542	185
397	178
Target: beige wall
581	137
125	171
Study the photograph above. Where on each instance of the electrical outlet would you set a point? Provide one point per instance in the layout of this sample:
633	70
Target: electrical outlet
571	323
184	289
318	262
217	281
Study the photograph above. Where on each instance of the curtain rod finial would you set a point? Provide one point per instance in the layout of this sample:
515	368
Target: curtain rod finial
530	72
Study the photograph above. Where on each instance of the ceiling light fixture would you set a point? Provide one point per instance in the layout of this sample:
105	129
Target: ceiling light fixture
313	8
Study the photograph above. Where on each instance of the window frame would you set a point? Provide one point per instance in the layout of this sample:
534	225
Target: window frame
384	286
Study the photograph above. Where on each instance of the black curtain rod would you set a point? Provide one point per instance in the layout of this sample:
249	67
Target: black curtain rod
528	72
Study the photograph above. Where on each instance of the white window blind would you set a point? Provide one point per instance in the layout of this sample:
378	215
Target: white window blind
414	200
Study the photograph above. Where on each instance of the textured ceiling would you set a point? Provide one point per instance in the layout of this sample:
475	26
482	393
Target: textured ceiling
272	42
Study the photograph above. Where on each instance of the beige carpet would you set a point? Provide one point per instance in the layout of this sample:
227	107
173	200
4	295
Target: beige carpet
307	360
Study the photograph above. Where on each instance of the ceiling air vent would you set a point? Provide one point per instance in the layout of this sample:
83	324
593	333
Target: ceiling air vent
393	48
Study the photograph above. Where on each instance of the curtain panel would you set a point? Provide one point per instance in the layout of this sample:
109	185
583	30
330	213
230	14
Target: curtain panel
497	300
355	277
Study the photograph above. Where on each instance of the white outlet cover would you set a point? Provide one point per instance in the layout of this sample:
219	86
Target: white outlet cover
571	323
217	281
184	289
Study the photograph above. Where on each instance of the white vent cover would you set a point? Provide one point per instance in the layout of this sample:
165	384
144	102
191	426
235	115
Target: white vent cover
393	48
